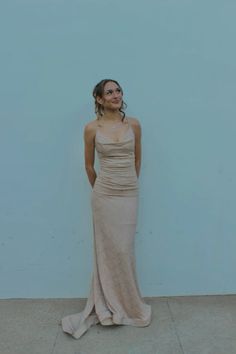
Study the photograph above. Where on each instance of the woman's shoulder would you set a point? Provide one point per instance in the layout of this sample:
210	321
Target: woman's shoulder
91	126
133	120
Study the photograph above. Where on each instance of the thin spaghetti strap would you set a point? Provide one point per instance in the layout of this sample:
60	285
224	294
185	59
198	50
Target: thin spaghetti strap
130	128
97	128
127	120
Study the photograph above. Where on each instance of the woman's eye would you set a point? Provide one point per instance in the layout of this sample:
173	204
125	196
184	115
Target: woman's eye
110	92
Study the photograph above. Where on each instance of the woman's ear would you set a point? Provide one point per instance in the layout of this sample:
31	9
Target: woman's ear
99	100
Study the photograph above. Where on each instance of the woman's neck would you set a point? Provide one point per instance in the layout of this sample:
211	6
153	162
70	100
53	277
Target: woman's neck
111	116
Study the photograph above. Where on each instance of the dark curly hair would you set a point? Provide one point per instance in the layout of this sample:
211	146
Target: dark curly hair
98	91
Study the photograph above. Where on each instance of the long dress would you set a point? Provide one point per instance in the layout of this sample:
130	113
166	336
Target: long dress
114	292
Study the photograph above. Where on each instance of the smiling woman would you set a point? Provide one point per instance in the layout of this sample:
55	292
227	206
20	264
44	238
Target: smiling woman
108	91
114	297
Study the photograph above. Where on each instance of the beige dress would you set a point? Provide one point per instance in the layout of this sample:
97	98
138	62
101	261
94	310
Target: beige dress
114	292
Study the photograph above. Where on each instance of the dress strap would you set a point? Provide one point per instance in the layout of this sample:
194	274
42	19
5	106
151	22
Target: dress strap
130	128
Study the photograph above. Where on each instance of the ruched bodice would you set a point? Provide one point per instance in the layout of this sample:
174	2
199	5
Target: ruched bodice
117	174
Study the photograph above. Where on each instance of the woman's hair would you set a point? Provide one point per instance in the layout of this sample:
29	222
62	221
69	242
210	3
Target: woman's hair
98	91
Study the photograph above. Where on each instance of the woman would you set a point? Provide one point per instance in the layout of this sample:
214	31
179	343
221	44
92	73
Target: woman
114	297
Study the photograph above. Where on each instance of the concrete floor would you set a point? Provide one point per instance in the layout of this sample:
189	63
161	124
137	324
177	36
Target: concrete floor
180	325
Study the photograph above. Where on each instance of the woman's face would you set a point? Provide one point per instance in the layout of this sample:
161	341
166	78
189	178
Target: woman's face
112	96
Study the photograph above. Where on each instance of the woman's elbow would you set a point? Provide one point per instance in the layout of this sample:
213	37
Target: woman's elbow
89	167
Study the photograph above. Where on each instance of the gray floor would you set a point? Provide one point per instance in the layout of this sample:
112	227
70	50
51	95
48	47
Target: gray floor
180	325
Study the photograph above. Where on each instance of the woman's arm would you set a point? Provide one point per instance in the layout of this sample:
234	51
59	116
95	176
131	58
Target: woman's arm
89	152
137	131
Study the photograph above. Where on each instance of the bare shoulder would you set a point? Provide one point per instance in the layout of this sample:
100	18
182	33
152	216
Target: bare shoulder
90	131
91	127
134	122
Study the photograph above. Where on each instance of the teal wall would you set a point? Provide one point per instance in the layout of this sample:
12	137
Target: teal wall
176	61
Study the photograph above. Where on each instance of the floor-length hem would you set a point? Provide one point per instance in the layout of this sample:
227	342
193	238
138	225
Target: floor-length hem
69	327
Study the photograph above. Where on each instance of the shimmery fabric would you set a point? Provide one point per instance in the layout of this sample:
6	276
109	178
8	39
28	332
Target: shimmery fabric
114	291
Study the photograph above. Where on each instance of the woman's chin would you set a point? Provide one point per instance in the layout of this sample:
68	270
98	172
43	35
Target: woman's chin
117	105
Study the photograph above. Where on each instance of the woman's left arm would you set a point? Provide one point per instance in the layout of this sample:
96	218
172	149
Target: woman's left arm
137	131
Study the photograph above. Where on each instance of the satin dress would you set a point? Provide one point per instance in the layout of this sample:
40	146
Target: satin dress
114	293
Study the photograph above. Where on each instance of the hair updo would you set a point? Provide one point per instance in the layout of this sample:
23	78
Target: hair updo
98	91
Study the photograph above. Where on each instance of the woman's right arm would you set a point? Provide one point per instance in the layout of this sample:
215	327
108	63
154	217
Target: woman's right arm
89	152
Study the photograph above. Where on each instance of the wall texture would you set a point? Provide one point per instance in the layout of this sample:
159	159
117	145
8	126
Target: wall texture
176	63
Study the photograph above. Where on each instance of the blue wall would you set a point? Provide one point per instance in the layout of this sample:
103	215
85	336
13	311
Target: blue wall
176	63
